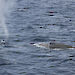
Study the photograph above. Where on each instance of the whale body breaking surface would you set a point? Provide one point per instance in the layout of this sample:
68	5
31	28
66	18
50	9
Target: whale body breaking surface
52	45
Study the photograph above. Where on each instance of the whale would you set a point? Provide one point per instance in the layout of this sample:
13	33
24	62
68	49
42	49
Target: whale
52	45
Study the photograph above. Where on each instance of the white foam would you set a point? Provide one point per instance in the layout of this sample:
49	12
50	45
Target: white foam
39	44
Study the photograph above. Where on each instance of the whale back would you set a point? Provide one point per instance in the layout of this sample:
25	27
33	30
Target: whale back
52	45
59	45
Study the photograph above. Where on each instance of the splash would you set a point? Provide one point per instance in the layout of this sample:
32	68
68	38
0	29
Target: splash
5	10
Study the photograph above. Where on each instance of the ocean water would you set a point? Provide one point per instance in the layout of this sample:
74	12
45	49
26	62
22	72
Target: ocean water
39	21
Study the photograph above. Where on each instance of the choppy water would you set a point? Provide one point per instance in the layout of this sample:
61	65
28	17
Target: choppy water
39	21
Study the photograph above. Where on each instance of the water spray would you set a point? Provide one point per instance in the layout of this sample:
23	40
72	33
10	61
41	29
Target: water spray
5	10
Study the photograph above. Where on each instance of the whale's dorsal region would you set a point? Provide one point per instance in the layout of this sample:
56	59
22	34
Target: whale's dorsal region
52	45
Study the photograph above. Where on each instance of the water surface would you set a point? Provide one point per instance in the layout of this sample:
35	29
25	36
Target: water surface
39	21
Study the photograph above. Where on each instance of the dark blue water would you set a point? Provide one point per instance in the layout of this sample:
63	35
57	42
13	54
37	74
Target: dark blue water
39	21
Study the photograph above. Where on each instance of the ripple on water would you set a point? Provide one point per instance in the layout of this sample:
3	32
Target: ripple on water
4	62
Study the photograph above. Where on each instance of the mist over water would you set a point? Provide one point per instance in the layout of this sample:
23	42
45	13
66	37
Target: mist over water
5	10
